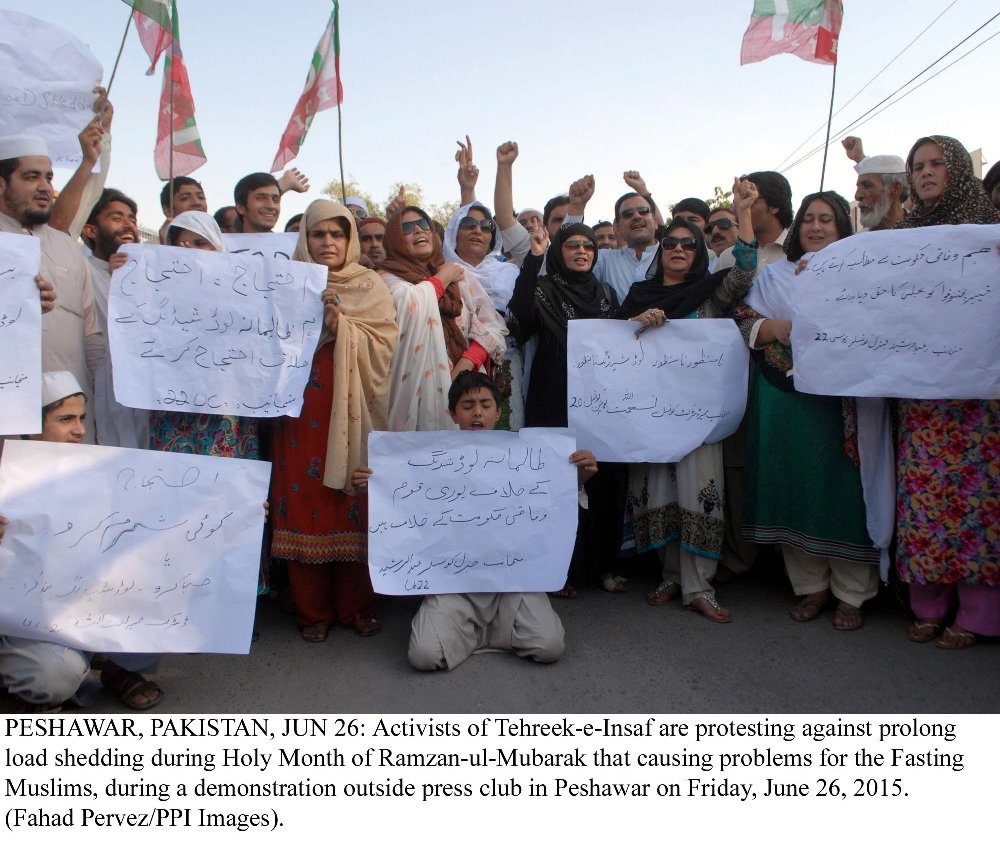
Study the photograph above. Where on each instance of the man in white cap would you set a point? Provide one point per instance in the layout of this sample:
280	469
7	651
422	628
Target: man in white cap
46	675
358	206
881	188
71	335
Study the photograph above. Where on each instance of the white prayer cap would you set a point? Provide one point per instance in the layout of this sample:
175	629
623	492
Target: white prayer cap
357	201
881	165
22	145
58	384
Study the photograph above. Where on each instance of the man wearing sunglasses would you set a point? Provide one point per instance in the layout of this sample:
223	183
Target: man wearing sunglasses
720	233
635	223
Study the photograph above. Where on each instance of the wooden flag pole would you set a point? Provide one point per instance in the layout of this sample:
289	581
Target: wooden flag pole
118	57
829	120
340	150
171	128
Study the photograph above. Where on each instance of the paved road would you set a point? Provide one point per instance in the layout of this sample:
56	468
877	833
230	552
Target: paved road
622	657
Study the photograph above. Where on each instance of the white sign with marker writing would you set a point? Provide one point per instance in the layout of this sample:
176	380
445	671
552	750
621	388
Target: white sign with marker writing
658	396
471	512
20	336
214	333
47	79
280	246
117	550
908	313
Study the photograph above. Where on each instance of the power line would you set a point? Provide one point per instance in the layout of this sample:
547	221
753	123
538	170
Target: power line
925	81
877	105
866	84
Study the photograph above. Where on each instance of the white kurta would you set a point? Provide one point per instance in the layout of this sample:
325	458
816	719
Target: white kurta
71	334
117	425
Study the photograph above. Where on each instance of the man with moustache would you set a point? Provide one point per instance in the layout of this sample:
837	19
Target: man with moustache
71	334
720	233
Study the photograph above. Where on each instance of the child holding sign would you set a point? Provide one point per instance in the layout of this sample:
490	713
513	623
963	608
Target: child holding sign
449	627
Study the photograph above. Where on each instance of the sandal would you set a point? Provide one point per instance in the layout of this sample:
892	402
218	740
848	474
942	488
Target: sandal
808	607
612	583
666	591
317	632
847	617
708	607
128	687
956	640
366	626
924	630
567	592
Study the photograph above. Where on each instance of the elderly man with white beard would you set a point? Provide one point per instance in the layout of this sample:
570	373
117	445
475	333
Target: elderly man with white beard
881	188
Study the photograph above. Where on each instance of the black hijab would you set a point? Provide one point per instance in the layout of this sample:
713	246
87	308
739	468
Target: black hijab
680	299
565	294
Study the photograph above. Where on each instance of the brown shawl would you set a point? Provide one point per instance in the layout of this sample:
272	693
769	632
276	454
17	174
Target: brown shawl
400	262
362	350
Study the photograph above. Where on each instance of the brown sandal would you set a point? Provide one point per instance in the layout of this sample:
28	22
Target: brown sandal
924	630
808	607
366	626
317	632
848	617
956	640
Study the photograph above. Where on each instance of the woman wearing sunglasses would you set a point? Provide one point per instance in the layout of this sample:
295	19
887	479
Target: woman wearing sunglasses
473	242
677	509
803	478
543	307
447	323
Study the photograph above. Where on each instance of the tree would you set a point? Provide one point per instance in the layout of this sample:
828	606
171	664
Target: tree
412	193
351	188
722	198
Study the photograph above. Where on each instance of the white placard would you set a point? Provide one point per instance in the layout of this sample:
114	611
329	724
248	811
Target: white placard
20	336
47	79
657	397
117	550
214	333
280	246
908	313
471	512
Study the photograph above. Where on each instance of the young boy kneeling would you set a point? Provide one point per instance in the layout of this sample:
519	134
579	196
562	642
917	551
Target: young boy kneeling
450	627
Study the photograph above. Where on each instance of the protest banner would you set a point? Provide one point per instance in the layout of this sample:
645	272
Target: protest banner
471	512
20	336
51	99
908	313
280	246
118	550
657	396
215	333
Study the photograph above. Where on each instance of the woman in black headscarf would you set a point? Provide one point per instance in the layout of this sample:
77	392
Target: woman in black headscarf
677	509
543	307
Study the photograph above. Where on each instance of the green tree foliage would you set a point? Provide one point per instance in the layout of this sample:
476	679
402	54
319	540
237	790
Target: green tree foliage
722	198
412	193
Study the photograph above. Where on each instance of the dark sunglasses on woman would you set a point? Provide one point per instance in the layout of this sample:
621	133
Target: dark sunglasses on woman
687	243
468	222
423	224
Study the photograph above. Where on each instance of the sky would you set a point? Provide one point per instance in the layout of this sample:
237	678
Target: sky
584	88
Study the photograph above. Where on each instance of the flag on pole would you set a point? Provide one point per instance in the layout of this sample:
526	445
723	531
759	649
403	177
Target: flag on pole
177	133
323	90
152	22
806	28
